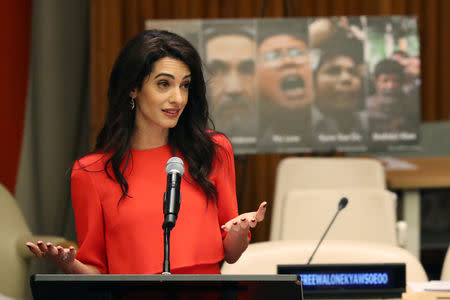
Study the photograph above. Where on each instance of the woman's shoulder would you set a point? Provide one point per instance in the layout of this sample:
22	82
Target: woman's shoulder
224	149
220	139
93	162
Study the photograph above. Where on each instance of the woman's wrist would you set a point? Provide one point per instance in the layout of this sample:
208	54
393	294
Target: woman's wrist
235	244
77	267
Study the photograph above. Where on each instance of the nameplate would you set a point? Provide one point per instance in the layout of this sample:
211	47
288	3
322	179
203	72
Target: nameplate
350	280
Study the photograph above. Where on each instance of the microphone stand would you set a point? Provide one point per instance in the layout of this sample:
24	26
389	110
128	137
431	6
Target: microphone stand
166	263
167	226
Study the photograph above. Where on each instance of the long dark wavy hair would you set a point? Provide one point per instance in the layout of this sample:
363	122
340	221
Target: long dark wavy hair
189	137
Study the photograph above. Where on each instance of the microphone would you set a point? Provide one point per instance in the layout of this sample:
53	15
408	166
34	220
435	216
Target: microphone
342	204
174	170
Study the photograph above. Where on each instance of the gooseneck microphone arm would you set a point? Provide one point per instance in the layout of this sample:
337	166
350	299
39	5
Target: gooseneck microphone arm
171	205
342	204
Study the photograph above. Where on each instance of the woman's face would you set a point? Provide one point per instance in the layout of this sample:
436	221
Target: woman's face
338	84
163	95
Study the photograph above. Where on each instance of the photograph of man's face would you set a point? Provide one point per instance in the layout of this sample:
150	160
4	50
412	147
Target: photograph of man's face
230	58
388	84
339	91
389	93
338	85
389	98
284	74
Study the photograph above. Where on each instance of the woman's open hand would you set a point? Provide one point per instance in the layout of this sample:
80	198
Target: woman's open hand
58	255
247	220
237	240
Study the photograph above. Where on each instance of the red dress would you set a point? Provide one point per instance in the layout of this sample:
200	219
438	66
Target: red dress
127	238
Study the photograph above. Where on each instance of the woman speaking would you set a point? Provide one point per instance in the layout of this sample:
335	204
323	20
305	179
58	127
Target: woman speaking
157	109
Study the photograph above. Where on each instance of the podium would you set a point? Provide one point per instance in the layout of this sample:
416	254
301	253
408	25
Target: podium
133	287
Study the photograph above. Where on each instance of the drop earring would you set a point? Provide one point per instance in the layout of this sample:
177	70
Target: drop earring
132	103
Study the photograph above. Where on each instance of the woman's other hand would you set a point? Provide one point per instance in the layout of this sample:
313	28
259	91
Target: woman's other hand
245	221
237	240
61	257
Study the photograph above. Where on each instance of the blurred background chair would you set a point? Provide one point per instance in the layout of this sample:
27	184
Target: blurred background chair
322	173
14	255
369	216
263	258
445	275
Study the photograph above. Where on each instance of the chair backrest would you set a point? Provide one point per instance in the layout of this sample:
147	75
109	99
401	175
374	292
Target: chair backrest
445	275
13	268
263	258
370	215
323	173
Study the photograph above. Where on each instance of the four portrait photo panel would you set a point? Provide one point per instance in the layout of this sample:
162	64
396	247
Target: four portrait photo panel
294	85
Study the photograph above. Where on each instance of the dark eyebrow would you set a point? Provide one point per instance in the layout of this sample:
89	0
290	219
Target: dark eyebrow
164	74
247	61
170	75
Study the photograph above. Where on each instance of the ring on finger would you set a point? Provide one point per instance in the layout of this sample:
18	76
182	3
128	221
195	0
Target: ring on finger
65	257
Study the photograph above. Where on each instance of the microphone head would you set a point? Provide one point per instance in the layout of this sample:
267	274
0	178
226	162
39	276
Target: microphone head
175	164
343	203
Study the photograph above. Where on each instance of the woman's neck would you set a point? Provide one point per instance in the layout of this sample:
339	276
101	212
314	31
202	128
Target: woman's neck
148	139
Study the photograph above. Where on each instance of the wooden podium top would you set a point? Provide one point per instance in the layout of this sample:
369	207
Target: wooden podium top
410	295
431	172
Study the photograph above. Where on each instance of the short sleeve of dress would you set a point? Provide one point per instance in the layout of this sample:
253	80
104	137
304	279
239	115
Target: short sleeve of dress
88	218
225	181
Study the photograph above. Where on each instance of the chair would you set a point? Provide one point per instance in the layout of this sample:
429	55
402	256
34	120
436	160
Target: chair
322	173
263	257
369	216
14	255
445	275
